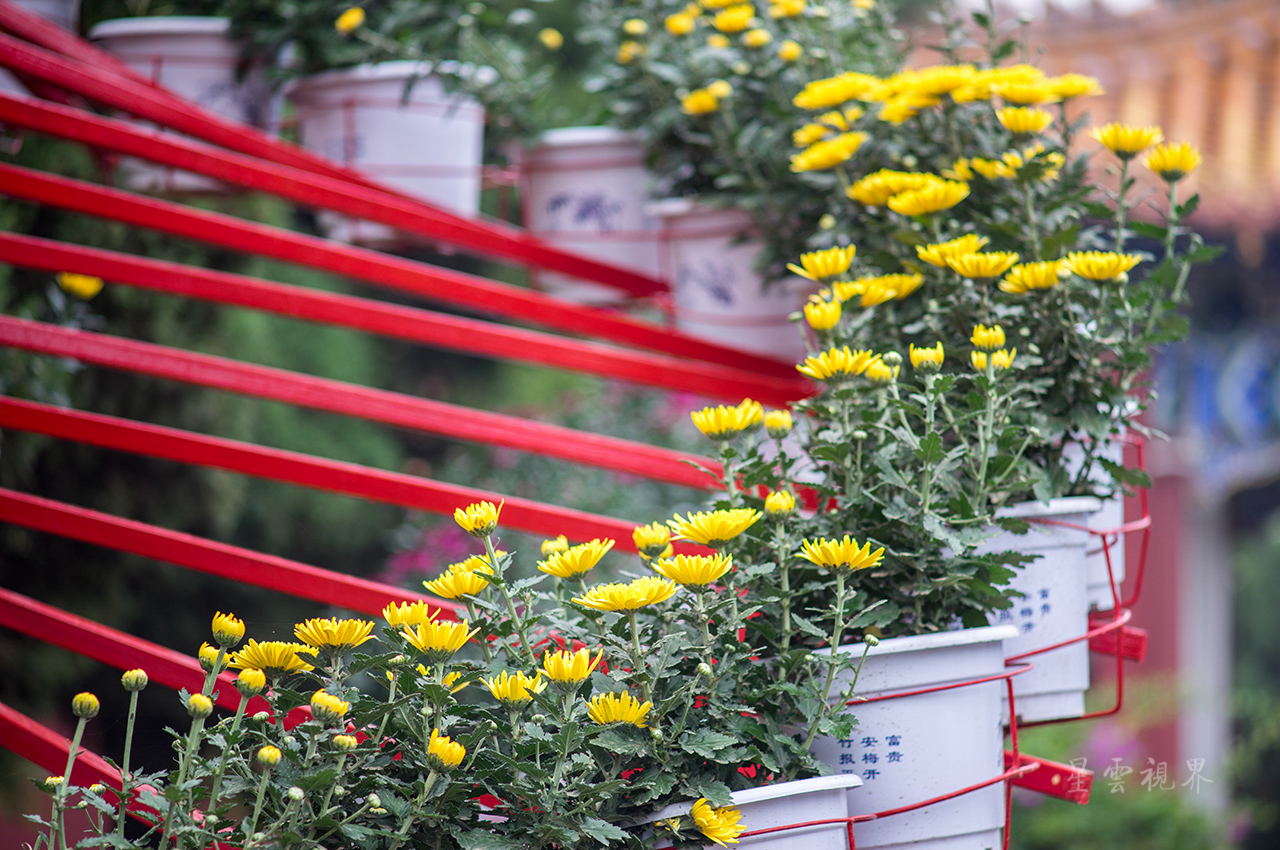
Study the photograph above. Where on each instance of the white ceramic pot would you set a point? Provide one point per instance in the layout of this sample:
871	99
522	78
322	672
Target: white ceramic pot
1054	606
786	803
585	190
64	13
919	747
1109	516
429	145
193	58
708	255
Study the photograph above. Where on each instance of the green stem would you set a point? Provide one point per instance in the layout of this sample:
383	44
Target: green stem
226	752
257	806
1121	210
837	631
637	658
328	795
391	698
1033	222
60	796
413	814
126	778
985	433
193	743
511	608
784	575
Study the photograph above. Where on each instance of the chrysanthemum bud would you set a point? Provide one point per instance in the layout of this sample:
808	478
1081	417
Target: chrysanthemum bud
779	503
98	788
345	743
269	756
871	640
296	794
250	682
85	705
397	660
208	656
655	733
859	435
261	716
538	718
374	800
891	358
778	423
704	669
52	782
227	630
134	680
199	706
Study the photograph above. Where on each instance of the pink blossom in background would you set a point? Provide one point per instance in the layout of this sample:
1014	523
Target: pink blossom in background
436	548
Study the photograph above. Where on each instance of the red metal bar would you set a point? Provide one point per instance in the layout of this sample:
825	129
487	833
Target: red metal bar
1052	778
351	479
432	282
1129	641
208	556
114	648
461	334
361	402
144	101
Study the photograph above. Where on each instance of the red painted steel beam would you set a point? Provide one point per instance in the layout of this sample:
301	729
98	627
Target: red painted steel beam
407	323
1052	778
490	238
333	476
447	286
48	750
388	408
207	556
309	189
113	647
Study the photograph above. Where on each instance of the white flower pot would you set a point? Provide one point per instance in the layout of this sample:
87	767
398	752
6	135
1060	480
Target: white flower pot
193	58
429	146
786	803
915	748
1109	516
64	13
708	255
585	190
1054	607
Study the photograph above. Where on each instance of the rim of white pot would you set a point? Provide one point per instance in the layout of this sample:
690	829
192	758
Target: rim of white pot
935	640
1069	505
163	25
769	792
562	137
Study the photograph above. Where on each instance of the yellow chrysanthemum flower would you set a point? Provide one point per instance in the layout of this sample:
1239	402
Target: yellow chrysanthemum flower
227	629
718	41
836	364
408	613
208	657
876	289
606	709
514	688
1069	86
1022	93
631	596
1100	265
880	372
695	570
722	422
334	634
480	519
652	540
822	315
570	668
942	195
1124	141
927	359
720	88
876	189
756	38
992	169
437	639
551	38
790	50
1000	360
840	554
713	528
987	338
779	503
819	265
199	706
1173	161
269	756
938	80
681	23
328	708
778	423
699	102
982	264
576	560
456	583
1028	276
828	153
786	8
628	52
719	825
82	286
250	682
1021	120
350	20
752	413
835	91
734	19
938	254
276	658
443	753
85	705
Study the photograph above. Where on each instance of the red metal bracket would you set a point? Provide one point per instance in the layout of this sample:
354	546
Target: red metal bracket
1063	781
361	402
334	476
1129	641
421	326
444	285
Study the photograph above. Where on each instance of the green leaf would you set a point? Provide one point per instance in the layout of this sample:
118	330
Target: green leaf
930	450
707	743
602	831
1147	229
1013	524
1124	475
618	741
1205	254
716	792
483	839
